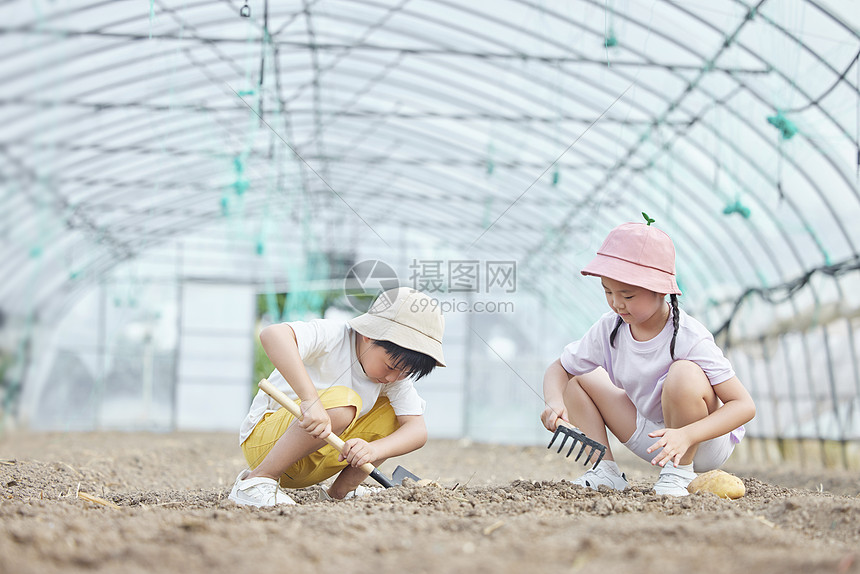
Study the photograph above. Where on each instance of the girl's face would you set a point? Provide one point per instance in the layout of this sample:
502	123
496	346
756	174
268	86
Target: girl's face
376	363
635	305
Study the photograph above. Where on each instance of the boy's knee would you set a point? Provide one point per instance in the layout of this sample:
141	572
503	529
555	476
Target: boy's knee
381	421
341	417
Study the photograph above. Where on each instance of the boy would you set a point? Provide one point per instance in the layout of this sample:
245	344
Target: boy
352	378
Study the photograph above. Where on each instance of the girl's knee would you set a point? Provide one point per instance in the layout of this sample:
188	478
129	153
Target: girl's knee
686	368
593	381
686	378
574	383
575	389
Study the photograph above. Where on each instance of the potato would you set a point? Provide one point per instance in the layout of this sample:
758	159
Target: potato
718	482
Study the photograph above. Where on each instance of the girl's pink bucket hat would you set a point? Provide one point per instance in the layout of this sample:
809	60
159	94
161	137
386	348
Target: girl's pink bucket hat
637	254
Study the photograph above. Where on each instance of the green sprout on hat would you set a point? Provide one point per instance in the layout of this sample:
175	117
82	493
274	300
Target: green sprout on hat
648	220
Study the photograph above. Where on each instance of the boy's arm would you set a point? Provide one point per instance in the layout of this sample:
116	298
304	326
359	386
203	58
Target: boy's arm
279	342
410	435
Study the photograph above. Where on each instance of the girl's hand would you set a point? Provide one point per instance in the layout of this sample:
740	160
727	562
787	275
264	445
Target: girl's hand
357	452
674	442
315	420
552	414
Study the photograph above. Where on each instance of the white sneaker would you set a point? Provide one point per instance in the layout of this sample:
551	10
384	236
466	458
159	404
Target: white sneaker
594	478
673	481
362	490
258	491
359	491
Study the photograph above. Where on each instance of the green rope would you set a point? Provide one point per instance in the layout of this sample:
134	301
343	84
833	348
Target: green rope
488	210
785	126
737	207
609	38
610	41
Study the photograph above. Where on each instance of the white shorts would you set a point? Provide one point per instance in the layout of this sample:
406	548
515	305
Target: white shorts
711	454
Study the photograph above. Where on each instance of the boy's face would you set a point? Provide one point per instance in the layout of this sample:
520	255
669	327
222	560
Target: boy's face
377	365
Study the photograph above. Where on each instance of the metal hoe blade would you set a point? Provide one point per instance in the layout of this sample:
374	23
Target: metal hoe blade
400	473
396	477
578	436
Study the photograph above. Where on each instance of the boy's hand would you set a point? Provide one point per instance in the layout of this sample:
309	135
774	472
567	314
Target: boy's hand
315	420
552	414
357	452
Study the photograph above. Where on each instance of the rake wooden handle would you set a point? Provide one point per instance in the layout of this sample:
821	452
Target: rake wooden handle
294	409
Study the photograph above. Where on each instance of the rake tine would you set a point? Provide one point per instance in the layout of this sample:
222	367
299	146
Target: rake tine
590	454
572	446
579	455
563	440
554	436
552	440
577	437
597	447
599	458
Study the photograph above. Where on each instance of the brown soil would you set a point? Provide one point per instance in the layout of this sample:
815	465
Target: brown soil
493	509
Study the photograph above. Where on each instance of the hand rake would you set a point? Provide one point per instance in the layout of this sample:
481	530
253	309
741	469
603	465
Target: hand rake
577	436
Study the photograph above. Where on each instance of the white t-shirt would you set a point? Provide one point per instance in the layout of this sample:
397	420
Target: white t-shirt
640	367
327	349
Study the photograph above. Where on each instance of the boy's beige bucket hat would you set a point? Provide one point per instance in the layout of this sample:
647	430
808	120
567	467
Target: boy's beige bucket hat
407	318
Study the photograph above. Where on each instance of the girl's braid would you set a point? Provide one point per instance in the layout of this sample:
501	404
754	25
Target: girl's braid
676	322
615	331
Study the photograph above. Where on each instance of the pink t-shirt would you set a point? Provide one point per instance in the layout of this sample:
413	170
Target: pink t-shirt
640	367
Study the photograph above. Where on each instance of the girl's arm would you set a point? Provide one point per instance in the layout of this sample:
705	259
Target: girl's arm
555	380
737	409
410	435
279	342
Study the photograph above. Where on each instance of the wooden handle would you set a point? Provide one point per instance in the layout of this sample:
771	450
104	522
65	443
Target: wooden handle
294	409
563	423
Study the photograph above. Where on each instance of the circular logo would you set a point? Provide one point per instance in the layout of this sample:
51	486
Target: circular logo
367	279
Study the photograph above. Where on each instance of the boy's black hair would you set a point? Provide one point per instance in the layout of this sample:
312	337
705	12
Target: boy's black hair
676	323
413	362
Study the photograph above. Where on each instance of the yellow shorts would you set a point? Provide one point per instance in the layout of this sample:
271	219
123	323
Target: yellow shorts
322	464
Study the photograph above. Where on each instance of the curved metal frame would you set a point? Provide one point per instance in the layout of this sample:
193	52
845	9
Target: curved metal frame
325	134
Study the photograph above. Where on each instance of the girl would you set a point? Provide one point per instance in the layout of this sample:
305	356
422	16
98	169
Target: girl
648	371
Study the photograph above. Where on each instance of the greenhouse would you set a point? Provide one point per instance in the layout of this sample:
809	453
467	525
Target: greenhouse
179	174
